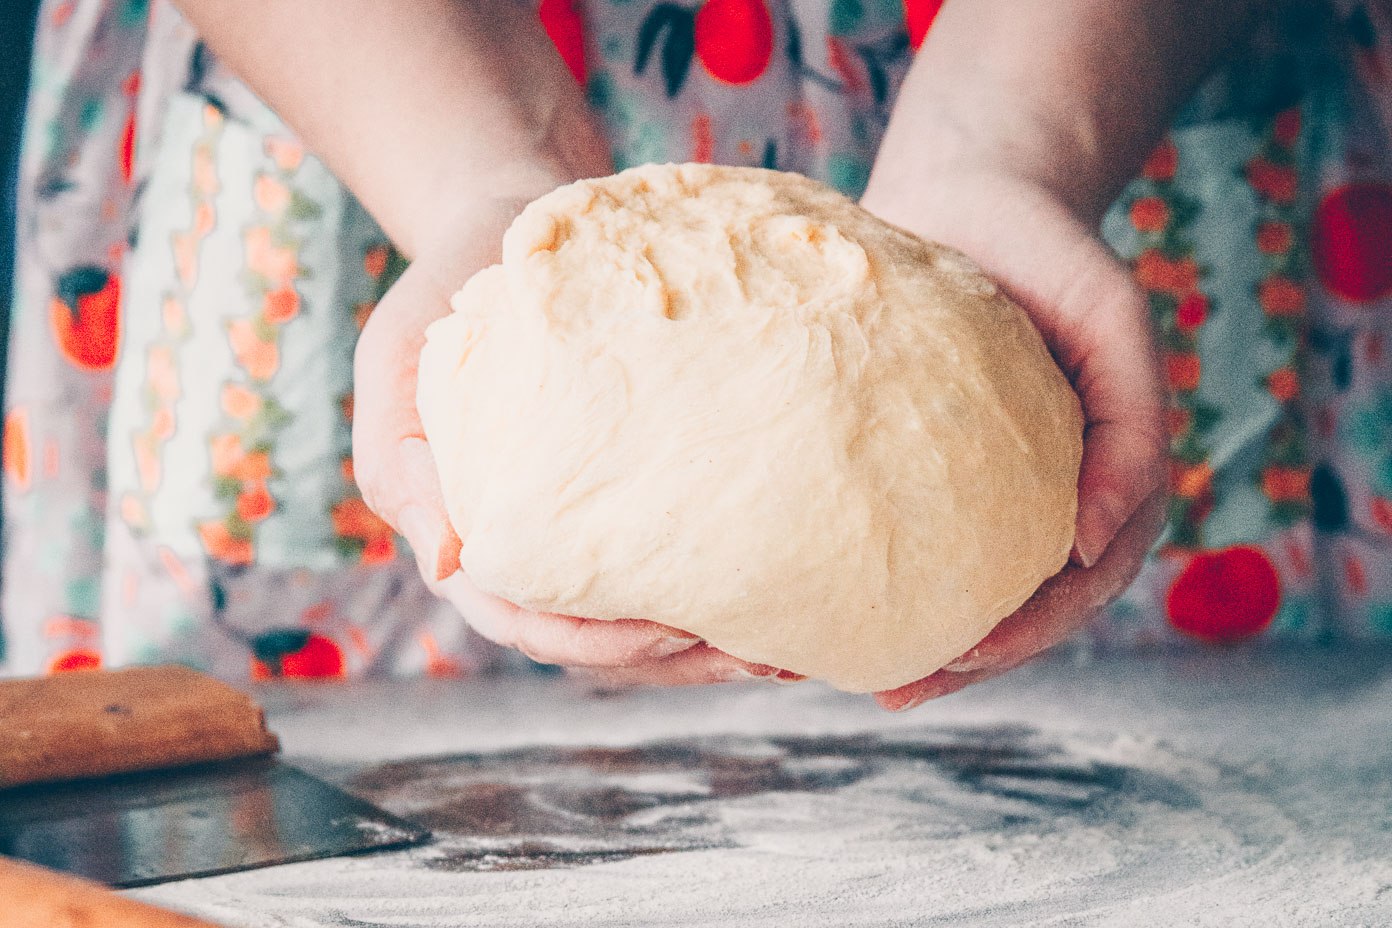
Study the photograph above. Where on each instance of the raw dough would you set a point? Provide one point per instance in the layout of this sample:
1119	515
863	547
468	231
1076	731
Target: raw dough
732	401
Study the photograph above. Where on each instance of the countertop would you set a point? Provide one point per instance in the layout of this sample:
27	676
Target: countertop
1229	787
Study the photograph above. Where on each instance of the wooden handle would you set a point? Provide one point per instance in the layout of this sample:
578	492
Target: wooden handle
95	723
37	898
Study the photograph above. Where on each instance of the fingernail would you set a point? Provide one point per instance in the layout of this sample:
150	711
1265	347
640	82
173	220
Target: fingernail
972	660
754	672
668	645
787	677
1080	557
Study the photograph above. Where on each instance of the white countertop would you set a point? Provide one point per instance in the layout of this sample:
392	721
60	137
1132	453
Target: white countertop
1223	788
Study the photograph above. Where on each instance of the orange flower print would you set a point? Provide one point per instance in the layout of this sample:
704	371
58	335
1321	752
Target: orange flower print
1162	162
1283	384
352	519
1192	480
1274	238
185	249
85	316
375	260
221	544
280	306
205	179
379	549
18	459
260	358
361	312
1182	371
255	503
703	139
275	263
286	153
203	219
270	194
162	425
147	464
1177	421
239	402
133	511
347	468
175	317
1285	484
1281	296
161	375
253	466
1150	214
225	453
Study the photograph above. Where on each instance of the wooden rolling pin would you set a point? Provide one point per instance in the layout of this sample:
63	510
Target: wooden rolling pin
32	897
95	723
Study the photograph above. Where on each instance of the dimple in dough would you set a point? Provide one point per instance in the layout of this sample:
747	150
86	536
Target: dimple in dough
732	401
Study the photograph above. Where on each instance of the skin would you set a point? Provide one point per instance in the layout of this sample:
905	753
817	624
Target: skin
1017	125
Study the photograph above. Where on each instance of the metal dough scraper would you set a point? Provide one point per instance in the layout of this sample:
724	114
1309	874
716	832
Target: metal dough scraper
147	775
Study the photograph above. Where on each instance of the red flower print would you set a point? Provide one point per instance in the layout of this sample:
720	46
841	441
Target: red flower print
1154	271
1225	595
1161	164
75	659
918	19
1149	214
1352	241
318	658
1191	312
1286	484
1177	421
85	316
1286	129
1281	296
1284	384
127	151
1382	513
733	40
1274	181
566	27
1274	238
375	260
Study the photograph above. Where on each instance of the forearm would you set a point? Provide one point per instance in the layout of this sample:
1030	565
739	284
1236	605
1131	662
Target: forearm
421	107
1070	95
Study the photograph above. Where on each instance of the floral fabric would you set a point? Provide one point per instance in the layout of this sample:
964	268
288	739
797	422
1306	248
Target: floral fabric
190	283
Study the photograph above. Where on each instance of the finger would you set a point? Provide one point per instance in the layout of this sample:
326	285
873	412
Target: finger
548	638
699	665
1096	322
1062	605
392	462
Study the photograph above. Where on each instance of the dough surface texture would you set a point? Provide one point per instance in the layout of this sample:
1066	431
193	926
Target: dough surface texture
732	401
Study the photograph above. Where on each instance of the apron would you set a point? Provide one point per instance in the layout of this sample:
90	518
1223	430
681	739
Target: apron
190	283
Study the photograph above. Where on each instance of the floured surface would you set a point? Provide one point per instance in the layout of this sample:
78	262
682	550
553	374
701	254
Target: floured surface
1227	789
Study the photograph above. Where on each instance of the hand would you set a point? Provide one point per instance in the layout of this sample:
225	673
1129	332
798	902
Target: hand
1095	321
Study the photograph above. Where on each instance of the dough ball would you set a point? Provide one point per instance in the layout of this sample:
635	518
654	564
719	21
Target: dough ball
732	401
